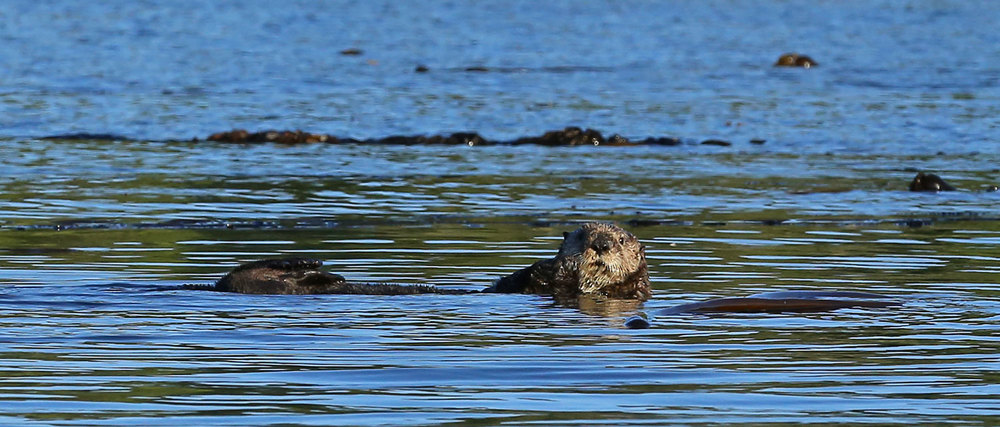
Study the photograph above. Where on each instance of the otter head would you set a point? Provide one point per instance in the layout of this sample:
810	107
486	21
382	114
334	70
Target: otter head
795	60
929	182
609	261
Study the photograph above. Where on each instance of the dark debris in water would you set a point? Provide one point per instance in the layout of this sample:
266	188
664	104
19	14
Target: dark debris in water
86	137
171	224
558	69
570	136
716	142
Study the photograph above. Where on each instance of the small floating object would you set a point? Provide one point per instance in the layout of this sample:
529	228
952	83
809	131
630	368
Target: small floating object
666	140
353	51
86	136
929	182
795	60
716	142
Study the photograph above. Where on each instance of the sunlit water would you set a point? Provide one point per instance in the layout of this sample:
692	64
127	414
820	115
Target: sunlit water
96	236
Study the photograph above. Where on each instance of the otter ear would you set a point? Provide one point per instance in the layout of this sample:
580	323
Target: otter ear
565	234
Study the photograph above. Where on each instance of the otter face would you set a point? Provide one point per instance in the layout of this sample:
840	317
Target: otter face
605	254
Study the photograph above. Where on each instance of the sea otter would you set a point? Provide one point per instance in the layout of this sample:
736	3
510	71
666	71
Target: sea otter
929	182
596	259
795	60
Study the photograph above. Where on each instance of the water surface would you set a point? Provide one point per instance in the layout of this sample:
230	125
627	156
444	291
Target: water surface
96	235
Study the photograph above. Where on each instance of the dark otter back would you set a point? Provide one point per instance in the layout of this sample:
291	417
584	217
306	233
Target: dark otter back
534	279
301	276
929	182
285	276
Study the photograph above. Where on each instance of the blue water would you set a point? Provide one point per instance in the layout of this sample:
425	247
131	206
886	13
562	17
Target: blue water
914	77
95	235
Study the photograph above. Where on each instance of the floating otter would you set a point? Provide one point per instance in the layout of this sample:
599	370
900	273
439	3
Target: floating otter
795	60
597	259
929	182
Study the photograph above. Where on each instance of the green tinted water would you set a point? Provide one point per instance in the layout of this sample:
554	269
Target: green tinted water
95	330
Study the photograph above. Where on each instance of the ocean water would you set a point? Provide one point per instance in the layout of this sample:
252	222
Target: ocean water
97	234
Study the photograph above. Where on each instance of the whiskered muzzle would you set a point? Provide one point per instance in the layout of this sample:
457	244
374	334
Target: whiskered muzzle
597	274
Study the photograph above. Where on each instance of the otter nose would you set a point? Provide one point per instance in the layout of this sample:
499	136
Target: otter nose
601	245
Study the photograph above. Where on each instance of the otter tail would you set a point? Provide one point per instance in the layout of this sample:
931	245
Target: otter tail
348	288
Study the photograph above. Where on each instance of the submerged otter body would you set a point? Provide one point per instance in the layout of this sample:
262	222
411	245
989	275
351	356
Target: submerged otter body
785	302
597	259
774	302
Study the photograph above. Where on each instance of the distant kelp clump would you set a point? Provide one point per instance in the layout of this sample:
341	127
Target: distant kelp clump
570	136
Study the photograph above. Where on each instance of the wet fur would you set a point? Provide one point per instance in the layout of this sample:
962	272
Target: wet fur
597	259
795	60
929	182
301	276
